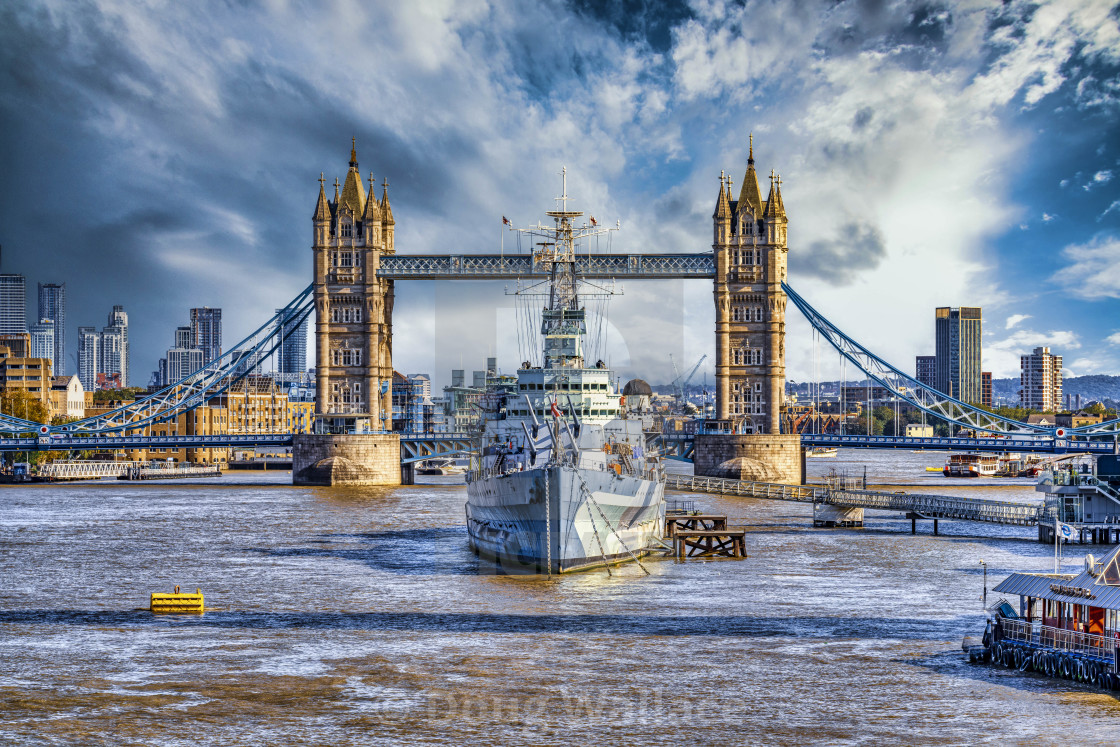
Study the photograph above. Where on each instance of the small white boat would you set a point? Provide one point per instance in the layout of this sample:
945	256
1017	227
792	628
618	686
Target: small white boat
439	467
821	451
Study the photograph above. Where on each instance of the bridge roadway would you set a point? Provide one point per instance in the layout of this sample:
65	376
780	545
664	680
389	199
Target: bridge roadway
414	446
682	444
927	506
419	446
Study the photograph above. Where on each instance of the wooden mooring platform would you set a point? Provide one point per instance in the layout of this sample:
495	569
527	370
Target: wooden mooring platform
698	535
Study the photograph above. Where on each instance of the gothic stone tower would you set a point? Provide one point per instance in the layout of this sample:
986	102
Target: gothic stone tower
351	444
749	246
354	309
750	252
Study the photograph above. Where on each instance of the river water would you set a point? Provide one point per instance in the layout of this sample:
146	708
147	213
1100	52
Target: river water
346	616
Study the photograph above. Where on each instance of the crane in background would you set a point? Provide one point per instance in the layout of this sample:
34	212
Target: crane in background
680	383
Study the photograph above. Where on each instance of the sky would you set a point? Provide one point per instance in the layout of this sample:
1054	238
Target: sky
166	155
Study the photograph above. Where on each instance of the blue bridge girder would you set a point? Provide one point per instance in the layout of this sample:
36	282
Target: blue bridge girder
513	266
103	442
682	445
415	447
1035	445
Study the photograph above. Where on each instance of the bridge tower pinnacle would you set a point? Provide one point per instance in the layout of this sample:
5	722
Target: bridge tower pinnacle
750	256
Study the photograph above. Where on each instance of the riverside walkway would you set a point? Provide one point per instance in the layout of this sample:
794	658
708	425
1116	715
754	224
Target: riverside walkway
926	506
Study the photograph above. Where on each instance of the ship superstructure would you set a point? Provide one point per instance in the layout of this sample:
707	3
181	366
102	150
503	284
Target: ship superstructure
561	480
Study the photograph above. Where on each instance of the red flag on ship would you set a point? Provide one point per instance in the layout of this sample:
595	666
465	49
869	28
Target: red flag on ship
555	410
593	221
506	221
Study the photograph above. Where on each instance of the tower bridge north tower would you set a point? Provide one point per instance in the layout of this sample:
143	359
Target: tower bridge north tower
352	443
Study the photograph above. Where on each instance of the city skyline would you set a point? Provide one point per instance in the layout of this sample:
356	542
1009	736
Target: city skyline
950	158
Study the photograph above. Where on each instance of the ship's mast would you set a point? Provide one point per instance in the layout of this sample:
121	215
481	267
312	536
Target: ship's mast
563	325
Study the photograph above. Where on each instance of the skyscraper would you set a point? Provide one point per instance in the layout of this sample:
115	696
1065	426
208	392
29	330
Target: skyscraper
110	354
42	342
118	328
291	356
89	358
184	338
206	332
52	305
925	369
957	333
13	304
182	362
1041	380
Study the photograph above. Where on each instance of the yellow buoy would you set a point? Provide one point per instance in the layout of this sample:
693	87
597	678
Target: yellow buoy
177	603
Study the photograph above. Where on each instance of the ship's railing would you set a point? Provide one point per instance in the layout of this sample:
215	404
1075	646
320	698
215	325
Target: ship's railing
1023	631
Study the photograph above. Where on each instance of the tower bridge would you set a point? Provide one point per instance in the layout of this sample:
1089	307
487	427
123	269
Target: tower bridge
355	266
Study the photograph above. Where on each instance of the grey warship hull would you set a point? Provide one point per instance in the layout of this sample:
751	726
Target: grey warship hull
594	517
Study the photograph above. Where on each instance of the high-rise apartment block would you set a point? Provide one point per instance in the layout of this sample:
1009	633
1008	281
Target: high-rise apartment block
114	347
206	333
291	356
13	304
89	358
52	305
184	338
1041	380
986	388
957	335
749	241
182	362
42	341
925	370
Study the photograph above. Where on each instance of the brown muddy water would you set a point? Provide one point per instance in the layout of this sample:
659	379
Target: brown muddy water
361	617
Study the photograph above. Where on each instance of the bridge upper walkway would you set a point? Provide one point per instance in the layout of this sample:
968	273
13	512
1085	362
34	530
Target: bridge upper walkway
929	506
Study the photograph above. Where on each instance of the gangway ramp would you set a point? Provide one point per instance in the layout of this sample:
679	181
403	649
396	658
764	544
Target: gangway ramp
928	506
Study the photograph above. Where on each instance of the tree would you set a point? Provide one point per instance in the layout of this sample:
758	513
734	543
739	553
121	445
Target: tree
21	404
127	394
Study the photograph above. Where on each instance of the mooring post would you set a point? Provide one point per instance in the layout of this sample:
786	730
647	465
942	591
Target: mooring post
913	525
935	527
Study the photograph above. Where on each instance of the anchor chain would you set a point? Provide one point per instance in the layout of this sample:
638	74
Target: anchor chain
593	502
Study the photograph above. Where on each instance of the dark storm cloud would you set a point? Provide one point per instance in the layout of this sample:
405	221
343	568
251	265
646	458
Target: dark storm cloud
649	20
857	247
166	155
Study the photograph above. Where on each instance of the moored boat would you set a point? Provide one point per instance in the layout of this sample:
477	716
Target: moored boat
439	467
821	451
561	480
1066	625
971	465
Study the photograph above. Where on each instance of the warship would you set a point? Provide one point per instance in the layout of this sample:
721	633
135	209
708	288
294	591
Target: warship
561	479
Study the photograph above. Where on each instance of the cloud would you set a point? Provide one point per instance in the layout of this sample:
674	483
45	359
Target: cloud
1114	207
1114	338
1001	357
1098	179
1015	319
1047	217
1093	269
855	247
173	154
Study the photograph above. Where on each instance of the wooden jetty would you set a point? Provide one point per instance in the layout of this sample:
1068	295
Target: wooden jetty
698	535
693	521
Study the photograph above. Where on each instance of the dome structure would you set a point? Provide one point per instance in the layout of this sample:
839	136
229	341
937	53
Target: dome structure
637	387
